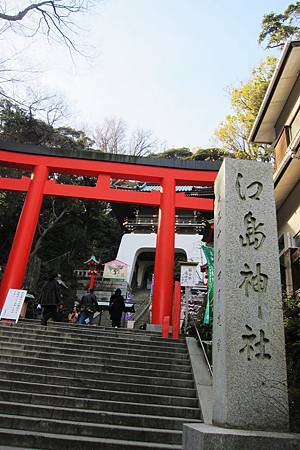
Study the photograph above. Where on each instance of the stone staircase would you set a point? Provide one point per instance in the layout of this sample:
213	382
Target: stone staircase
140	300
87	388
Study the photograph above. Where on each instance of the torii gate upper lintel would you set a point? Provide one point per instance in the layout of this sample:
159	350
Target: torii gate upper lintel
104	167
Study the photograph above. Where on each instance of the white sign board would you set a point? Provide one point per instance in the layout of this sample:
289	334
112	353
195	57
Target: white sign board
188	275
13	304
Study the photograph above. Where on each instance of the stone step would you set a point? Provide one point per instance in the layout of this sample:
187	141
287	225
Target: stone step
80	337
89	357
98	384
5	447
128	419
76	387
192	414
97	394
42	440
125	332
60	327
84	344
95	371
107	344
71	427
10	350
99	375
105	365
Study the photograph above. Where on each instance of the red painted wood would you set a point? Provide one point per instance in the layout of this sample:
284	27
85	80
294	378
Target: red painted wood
92	282
103	192
14	184
198	203
164	256
20	250
165	326
116	170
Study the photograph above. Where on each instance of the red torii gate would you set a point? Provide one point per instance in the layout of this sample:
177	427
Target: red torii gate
104	167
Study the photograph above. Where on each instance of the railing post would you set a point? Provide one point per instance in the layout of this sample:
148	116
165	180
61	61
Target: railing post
176	310
165	326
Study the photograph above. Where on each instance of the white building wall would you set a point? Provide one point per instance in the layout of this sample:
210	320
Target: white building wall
288	215
288	220
133	244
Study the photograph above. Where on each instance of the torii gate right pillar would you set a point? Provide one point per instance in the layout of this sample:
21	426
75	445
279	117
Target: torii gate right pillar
164	258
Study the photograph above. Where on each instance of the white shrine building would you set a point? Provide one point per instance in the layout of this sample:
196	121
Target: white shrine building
137	246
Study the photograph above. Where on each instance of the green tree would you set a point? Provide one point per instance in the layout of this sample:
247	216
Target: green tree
209	154
200	154
174	153
276	29
246	99
20	125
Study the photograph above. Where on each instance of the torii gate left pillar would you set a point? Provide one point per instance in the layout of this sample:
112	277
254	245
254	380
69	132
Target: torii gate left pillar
20	250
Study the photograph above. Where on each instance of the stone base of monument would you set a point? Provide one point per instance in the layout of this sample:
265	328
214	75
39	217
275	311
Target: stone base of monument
209	437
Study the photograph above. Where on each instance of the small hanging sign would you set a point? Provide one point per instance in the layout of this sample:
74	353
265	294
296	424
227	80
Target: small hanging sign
188	274
115	269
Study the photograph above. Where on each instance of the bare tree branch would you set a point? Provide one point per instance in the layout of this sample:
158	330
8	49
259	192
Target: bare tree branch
54	18
142	142
110	137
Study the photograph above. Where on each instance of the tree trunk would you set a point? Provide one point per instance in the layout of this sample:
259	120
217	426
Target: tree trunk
33	273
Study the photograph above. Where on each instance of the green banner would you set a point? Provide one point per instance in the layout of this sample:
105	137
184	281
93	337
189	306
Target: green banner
209	255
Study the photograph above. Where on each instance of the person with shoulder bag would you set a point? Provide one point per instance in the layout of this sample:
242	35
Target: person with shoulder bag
87	307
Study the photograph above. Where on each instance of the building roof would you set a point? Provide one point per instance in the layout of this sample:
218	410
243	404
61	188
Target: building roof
92	259
203	191
281	84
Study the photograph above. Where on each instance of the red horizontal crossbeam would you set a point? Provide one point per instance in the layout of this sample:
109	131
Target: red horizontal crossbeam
97	193
93	168
14	184
104	193
201	204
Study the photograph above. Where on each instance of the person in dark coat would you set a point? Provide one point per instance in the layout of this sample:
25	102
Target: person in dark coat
87	307
116	308
49	299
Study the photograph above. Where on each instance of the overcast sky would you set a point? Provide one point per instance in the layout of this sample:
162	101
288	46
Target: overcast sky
163	65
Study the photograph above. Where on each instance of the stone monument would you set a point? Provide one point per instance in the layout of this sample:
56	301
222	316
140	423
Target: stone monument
249	367
249	383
